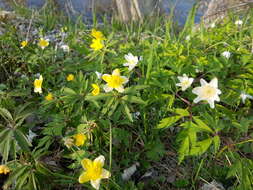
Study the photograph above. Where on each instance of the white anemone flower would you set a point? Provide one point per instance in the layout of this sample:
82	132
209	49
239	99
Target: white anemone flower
213	25
132	61
185	82
226	54
207	91
99	75
65	48
238	22
244	96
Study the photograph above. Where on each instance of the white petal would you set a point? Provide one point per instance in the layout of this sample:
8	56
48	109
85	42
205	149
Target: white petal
211	103
203	82
99	75
120	89
191	80
105	174
196	90
100	159
196	100
125	79
178	84
180	78
126	64
107	88
214	83
95	183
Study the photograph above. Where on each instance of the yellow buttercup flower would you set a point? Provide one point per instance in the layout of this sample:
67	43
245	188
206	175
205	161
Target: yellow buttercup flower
4	169
70	77
23	44
97	44
96	89
94	171
97	34
43	43
80	139
37	85
114	81
49	97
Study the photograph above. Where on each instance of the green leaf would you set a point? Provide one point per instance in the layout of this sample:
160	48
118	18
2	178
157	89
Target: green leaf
183	149
182	112
202	126
101	96
68	91
6	114
133	99
127	111
204	145
134	89
168	122
22	140
216	142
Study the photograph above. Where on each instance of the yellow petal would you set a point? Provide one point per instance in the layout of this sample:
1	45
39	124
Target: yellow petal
107	78
116	72
95	183
84	177
100	159
105	174
86	163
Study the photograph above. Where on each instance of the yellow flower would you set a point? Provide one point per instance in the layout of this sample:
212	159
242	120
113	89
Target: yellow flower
114	81
23	44
97	34
49	97
43	43
97	44
96	89
37	85
70	77
80	139
4	169
94	171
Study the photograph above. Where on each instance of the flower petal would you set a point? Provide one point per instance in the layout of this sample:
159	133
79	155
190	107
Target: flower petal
196	100
105	174
211	103
100	159
116	72
196	90
125	79
203	82
106	77
95	183
86	163
107	88
120	89
83	178
214	83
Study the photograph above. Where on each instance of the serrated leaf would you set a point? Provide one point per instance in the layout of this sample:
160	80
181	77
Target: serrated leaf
127	111
216	142
22	140
182	112
183	149
202	126
133	99
168	122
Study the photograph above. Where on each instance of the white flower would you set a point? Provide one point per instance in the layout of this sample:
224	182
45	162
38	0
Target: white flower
132	61
238	22
185	82
244	96
212	25
99	75
187	38
207	91
226	54
65	48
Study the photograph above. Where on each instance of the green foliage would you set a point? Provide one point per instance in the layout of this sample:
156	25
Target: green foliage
44	136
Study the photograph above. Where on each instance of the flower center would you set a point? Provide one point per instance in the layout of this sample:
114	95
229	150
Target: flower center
208	92
95	171
185	83
116	81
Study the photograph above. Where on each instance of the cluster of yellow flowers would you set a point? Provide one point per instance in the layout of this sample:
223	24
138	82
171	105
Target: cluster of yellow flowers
97	41
43	43
4	169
